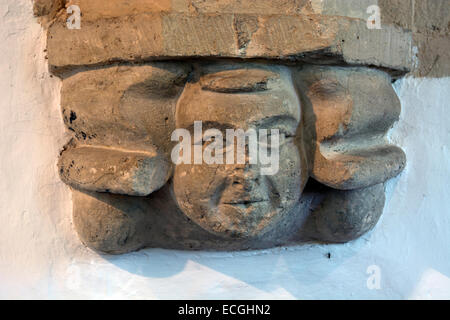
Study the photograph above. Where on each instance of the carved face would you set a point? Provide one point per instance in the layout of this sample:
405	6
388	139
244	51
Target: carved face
124	92
237	200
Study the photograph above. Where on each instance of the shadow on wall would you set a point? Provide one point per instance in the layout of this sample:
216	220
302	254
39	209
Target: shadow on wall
302	272
297	271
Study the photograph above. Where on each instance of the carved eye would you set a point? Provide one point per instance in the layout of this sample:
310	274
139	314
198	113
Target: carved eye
284	136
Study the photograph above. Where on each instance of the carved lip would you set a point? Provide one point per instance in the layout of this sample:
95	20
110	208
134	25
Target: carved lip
244	202
234	197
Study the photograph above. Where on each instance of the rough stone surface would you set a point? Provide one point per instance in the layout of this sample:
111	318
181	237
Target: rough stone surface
342	216
155	35
348	111
47	8
425	52
136	107
346	8
237	200
333	121
114	227
429	21
108	170
138	70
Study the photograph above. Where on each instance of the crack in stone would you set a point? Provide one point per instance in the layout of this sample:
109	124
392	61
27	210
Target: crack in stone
244	26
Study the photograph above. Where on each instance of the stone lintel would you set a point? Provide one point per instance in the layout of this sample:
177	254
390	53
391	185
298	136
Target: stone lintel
161	36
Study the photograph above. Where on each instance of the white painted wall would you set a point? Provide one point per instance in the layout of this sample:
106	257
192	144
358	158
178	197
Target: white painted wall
41	257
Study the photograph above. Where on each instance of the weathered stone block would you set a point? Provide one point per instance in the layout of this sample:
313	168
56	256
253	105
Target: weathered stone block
135	109
225	125
430	22
115	171
348	111
153	36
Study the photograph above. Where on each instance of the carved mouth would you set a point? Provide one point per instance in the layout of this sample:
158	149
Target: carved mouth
244	203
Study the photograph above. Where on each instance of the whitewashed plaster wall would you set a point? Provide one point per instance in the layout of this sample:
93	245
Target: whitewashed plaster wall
41	257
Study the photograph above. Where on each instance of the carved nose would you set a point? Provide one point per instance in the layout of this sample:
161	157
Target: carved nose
245	186
247	176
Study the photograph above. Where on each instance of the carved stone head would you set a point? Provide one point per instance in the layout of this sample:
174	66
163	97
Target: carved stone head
240	199
223	127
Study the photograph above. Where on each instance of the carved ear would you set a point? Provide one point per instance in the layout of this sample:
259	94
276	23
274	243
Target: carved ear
347	114
104	169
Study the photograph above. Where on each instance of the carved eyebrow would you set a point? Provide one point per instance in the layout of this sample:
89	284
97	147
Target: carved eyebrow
237	81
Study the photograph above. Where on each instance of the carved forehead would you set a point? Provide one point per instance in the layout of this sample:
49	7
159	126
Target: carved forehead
239	97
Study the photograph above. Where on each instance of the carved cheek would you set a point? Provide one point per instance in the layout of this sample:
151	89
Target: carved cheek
197	187
292	174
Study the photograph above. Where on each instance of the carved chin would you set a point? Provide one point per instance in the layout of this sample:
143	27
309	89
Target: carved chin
238	220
